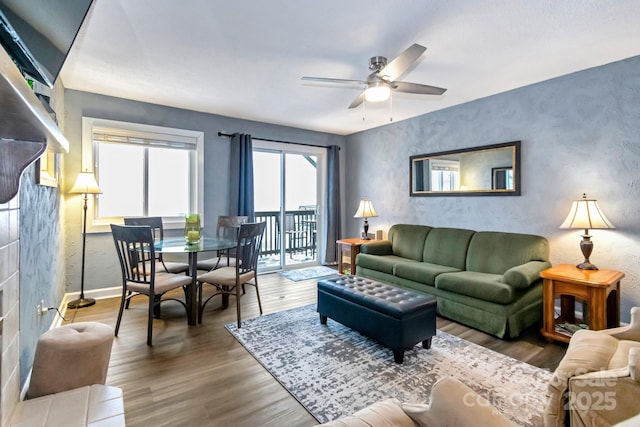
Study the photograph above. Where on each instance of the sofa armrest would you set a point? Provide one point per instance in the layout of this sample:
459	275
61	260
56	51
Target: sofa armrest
523	276
629	332
378	247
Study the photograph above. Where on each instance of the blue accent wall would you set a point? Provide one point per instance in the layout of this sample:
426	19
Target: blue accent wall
580	133
41	262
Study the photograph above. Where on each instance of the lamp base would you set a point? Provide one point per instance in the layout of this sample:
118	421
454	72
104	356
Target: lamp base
586	266
81	303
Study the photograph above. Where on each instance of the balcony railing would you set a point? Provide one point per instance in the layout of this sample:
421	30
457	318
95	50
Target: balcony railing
299	233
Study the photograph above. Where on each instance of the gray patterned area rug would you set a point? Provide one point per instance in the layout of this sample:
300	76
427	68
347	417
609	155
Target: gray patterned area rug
334	371
308	273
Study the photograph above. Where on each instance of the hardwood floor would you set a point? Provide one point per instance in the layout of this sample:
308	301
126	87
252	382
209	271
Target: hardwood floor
201	376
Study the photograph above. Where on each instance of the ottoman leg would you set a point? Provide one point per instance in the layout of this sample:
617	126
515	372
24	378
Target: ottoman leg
398	356
323	319
426	343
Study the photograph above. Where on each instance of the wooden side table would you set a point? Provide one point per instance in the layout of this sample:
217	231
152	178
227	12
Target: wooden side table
349	248
599	289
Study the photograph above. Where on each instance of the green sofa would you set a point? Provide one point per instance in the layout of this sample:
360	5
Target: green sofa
484	279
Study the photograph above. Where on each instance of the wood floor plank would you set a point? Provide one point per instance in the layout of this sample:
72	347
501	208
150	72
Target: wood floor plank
202	376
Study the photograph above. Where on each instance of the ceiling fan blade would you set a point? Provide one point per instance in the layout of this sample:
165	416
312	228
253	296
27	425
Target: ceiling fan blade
359	100
401	63
329	80
417	88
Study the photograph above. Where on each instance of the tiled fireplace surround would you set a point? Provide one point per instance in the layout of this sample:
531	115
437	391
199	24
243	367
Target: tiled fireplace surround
9	307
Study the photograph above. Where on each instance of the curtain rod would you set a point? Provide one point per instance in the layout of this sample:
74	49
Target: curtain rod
277	140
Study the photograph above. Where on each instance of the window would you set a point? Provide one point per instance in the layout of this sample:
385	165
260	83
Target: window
445	175
143	170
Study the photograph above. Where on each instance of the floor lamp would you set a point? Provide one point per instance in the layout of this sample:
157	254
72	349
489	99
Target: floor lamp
85	184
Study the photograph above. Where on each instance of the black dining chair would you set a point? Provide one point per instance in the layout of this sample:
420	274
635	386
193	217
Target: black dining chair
157	230
135	248
229	280
227	228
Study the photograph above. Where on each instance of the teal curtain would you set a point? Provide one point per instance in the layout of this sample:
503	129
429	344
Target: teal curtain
241	202
333	223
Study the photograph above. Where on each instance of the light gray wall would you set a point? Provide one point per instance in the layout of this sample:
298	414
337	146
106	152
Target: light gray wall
580	133
102	270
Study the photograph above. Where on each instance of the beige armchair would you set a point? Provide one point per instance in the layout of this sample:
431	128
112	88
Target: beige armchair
597	381
451	404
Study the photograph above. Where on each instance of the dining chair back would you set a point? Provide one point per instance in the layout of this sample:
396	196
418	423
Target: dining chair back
227	228
157	231
229	280
135	249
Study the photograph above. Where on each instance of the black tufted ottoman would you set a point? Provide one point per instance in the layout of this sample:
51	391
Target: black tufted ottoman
396	318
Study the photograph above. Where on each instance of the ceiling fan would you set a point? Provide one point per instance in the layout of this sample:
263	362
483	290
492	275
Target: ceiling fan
382	80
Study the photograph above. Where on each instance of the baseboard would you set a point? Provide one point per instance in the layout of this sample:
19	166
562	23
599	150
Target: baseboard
96	294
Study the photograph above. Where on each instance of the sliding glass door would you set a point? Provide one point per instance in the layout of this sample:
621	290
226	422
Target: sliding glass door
287	184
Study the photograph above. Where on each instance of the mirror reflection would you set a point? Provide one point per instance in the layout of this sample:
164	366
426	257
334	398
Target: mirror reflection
478	171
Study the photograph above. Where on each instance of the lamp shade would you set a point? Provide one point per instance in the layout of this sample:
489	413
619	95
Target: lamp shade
365	209
85	184
585	213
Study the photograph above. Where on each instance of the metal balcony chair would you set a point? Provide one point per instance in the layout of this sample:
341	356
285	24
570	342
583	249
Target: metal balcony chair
229	280
296	235
157	231
135	248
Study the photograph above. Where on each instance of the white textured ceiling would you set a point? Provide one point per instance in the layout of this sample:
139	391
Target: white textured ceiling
244	58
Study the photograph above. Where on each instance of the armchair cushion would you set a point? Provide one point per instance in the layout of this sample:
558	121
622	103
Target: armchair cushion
387	413
454	404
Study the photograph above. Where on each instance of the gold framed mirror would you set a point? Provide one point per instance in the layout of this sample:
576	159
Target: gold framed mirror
489	170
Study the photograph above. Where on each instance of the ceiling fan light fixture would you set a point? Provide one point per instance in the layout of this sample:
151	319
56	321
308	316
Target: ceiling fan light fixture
377	91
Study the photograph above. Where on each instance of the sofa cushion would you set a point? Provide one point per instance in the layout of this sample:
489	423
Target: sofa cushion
383	263
484	286
496	252
408	240
447	246
421	272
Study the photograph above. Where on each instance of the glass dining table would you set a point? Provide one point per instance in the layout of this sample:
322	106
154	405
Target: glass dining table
177	245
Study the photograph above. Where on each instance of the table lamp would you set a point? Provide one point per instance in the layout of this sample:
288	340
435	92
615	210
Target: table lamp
365	210
85	184
585	213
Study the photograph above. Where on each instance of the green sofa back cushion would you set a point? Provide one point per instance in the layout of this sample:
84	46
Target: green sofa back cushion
408	240
447	246
495	252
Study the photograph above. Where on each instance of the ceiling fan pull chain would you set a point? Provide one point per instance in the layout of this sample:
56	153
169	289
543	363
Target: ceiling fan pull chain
364	109
391	106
